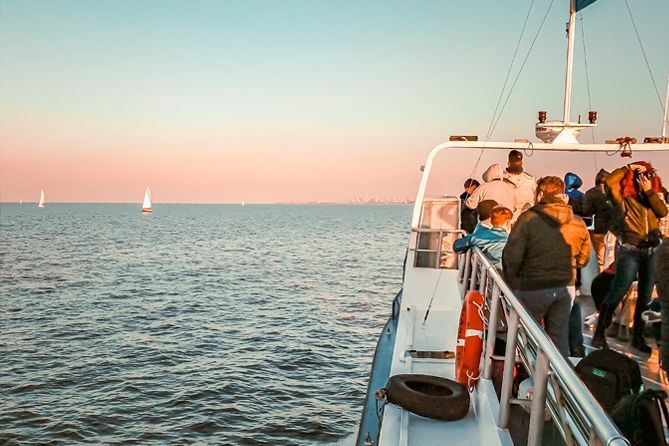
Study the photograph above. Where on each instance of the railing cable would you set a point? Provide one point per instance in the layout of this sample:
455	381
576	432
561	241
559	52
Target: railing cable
587	82
529	51
645	57
501	93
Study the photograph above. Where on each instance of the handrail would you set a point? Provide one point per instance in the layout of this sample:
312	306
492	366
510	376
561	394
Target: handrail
525	146
548	362
440	249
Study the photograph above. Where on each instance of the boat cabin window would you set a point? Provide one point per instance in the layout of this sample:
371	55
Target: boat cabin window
438	230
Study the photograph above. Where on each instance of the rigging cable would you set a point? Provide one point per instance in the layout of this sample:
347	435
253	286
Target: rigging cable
523	64
587	83
645	58
508	73
501	93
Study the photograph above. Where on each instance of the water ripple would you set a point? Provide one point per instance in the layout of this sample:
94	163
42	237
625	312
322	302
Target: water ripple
197	324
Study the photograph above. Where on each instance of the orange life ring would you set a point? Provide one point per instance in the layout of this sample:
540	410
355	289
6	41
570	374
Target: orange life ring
470	340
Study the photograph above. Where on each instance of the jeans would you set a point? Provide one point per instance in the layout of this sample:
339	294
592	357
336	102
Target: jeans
575	323
553	306
632	261
599	245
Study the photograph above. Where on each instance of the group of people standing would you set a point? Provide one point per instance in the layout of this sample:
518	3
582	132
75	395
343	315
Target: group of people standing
540	234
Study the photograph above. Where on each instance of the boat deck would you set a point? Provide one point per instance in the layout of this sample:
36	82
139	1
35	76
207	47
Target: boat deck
651	372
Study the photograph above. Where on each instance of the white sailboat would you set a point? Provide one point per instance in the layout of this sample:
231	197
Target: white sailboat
41	200
243	203
414	363
147	206
21	200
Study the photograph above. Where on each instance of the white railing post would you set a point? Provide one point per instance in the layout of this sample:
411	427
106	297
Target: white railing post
493	320
461	267
484	280
507	376
468	266
538	408
472	274
440	242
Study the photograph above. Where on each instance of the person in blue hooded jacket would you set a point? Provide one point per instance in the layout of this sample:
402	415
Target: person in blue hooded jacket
572	183
490	240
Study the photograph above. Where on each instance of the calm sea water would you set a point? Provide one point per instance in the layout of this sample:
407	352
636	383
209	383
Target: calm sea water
197	324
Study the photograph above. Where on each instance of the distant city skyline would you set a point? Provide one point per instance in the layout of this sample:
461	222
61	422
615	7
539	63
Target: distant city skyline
267	102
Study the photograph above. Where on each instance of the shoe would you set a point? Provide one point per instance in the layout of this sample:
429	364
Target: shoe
613	330
639	343
624	333
599	340
578	352
592	319
605	317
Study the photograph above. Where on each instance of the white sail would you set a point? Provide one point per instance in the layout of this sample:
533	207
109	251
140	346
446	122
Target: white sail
243	203
146	205
21	200
41	200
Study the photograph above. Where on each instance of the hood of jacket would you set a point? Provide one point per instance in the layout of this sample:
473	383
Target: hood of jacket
572	181
555	210
601	177
494	172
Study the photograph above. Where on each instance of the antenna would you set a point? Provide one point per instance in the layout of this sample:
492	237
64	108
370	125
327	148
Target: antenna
666	105
571	36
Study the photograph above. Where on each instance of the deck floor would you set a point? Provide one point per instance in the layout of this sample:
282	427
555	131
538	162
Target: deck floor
653	376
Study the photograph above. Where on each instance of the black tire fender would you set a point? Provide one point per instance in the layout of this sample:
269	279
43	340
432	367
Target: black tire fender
429	396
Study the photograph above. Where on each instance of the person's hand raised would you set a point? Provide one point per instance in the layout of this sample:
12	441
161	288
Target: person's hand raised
644	183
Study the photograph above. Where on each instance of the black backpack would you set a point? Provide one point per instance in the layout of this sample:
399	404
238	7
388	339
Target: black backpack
610	376
639	418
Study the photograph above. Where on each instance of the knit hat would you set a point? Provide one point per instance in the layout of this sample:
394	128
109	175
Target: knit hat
515	162
484	209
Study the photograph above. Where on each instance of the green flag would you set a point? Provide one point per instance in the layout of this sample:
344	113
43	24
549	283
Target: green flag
580	4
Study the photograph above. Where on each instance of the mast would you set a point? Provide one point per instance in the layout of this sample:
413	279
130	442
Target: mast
666	105
571	35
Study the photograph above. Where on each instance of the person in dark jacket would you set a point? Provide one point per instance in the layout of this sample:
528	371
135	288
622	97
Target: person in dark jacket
468	218
598	205
662	276
633	190
544	247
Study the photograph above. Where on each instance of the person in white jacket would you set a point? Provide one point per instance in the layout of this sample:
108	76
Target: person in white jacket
494	188
524	184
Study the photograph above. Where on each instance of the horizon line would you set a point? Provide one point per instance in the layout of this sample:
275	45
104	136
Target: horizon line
236	203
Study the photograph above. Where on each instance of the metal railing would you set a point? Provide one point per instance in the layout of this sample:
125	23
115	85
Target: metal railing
557	388
433	255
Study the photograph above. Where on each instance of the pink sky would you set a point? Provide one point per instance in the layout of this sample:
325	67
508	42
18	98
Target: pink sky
90	164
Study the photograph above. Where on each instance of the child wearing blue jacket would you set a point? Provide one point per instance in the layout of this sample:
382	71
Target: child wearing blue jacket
489	239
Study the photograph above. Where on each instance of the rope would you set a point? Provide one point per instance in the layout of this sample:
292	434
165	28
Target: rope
481	311
429	306
470	378
529	51
501	93
645	58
